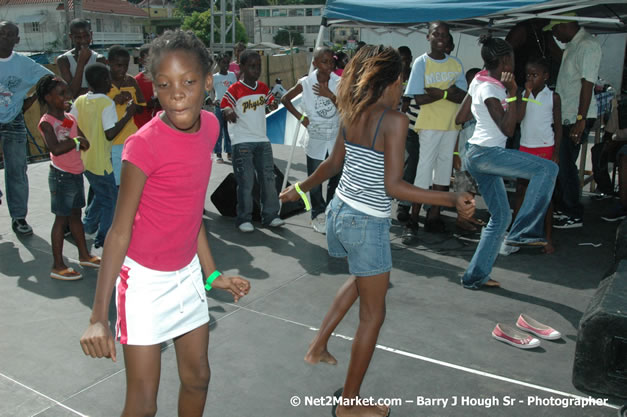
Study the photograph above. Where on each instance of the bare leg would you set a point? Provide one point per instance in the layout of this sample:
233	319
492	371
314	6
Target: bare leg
548	230
143	370
194	373
76	228
372	291
56	239
415	212
521	190
434	211
344	299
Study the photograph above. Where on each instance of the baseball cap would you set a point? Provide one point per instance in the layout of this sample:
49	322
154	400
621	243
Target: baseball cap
556	22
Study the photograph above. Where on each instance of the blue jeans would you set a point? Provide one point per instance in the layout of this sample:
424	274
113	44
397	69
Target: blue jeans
488	165
224	132
318	203
99	213
568	189
13	138
250	158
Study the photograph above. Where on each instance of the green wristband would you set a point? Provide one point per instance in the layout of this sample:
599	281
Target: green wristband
212	278
78	144
445	95
303	196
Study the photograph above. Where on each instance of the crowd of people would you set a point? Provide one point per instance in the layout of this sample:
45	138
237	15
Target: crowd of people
381	127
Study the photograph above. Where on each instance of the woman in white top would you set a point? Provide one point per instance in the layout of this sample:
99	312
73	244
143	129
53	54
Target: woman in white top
493	102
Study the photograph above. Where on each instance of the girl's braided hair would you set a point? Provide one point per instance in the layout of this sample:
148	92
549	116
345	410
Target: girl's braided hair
493	50
176	40
365	78
45	85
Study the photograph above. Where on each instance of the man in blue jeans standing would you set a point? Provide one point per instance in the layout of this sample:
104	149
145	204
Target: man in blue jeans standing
17	75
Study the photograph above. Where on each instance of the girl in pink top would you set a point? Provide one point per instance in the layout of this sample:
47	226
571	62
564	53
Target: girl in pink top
157	248
67	194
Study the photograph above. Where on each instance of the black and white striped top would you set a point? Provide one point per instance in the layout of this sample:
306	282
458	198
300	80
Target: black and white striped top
362	183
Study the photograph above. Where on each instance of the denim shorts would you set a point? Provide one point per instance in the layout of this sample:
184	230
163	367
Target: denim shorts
66	192
363	239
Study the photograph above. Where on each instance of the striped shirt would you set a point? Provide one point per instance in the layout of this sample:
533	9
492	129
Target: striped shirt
362	183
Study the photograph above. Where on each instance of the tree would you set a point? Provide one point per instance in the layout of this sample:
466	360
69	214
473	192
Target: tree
284	36
187	7
200	24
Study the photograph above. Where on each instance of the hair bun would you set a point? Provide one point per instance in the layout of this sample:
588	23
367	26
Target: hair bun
483	39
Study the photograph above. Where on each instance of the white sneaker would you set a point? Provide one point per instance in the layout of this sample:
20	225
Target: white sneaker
507	249
276	222
246	227
319	224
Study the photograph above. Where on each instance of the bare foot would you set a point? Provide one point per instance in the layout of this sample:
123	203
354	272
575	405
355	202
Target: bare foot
549	248
313	357
492	284
362	411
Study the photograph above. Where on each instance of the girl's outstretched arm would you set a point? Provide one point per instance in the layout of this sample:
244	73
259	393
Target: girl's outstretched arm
236	285
328	168
395	130
97	341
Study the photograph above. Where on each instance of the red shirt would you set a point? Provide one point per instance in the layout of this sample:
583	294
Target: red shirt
145	85
178	166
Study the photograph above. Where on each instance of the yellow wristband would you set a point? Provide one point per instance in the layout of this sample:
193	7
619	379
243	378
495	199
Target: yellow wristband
510	99
456	153
303	196
302	117
445	95
78	144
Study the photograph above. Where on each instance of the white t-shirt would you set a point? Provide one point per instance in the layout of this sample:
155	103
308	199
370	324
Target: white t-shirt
487	133
324	119
536	130
222	82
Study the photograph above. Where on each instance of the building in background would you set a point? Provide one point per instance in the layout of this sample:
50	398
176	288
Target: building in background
160	16
43	25
262	23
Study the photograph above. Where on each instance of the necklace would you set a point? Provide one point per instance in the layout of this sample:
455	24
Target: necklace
540	44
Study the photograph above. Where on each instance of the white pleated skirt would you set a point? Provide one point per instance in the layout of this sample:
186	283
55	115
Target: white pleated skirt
156	306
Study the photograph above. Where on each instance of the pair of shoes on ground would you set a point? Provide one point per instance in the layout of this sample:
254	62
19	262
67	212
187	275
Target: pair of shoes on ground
319	223
562	220
616	213
70	274
247	227
20	227
510	335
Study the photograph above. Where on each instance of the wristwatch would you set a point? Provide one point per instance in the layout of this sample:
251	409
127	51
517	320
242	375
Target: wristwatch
579	117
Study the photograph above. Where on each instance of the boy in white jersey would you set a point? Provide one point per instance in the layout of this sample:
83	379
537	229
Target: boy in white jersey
540	116
438	85
244	107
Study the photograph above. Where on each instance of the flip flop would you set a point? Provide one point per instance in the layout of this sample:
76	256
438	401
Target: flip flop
68	274
93	262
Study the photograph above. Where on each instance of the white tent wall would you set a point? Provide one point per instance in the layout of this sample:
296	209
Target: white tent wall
469	51
466	47
612	63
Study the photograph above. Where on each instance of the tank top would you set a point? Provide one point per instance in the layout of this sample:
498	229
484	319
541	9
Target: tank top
72	61
362	185
536	129
65	129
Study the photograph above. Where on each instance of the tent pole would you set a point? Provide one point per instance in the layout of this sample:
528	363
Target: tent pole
289	161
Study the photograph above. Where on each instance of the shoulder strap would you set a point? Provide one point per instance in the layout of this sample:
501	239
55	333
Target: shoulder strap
376	132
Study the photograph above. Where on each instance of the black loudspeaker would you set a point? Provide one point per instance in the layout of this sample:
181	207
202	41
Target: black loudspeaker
601	353
225	198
